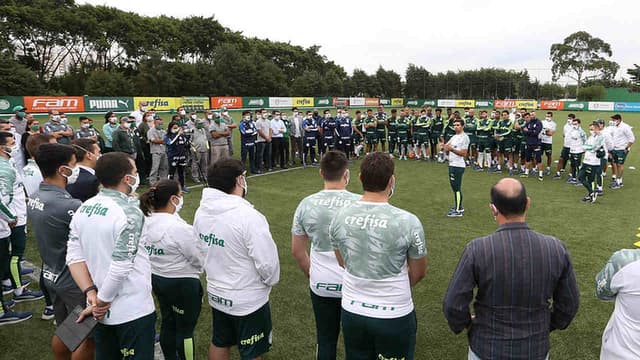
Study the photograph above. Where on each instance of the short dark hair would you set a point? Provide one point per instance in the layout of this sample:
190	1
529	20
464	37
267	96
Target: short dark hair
333	165
509	205
82	147
459	121
375	171
4	135
576	120
158	195
112	167
394	111
573	116
222	175
617	117
438	109
34	141
52	156
549	113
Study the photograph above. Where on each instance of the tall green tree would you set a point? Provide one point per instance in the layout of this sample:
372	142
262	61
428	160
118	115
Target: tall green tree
582	57
389	83
634	73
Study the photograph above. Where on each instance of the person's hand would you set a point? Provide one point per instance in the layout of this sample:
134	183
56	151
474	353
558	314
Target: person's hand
13	223
100	309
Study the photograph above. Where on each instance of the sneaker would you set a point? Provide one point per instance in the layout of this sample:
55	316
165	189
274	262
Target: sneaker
599	192
28	295
478	168
615	186
524	175
8	305
26	271
8	289
586	198
547	172
556	177
570	180
47	314
14	317
454	214
185	190
594	196
540	178
577	183
454	209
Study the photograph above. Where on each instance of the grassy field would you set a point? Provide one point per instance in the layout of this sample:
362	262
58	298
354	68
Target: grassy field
592	232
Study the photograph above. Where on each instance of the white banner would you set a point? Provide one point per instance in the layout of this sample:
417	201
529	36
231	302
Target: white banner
600	106
280	102
446	103
356	101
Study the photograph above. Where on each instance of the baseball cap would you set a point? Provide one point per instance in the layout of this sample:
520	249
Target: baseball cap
600	121
19	108
616	117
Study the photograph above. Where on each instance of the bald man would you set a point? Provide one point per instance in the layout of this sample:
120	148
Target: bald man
525	281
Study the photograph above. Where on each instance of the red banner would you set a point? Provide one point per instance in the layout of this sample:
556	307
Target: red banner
371	102
504	104
230	102
36	104
340	101
551	105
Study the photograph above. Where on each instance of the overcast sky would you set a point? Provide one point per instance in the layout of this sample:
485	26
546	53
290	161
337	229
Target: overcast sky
439	35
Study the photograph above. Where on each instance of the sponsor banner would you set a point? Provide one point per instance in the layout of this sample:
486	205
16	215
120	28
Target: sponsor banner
195	103
575	105
255	102
356	101
158	103
411	102
446	103
465	103
427	102
7	103
386	102
626	106
371	101
323	101
340	101
94	103
601	106
528	104
504	104
40	104
303	102
230	102
280	102
397	102
484	103
552	105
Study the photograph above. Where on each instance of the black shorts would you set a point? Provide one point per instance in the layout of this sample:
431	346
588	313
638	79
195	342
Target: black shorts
251	333
533	152
564	154
547	148
64	300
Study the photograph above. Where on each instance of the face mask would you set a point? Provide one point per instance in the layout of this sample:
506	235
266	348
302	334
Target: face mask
576	126
466	113
225	113
200	126
63	120
143	108
127	125
209	117
277	117
245	188
194	117
86	126
174	131
179	204
182	112
611	123
326	116
35	127
149	118
592	132
134	187
284	117
22	114
113	120
159	127
55	118
247	118
547	118
295	113
569	121
74	174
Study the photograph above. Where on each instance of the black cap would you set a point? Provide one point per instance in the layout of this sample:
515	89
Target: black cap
616	117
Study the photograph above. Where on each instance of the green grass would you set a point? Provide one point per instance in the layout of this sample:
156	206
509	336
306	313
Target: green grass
592	233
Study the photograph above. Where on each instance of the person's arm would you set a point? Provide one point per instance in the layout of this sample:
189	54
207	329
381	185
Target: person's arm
68	132
460	293
190	246
630	138
262	249
566	297
299	246
115	143
417	270
604	289
417	253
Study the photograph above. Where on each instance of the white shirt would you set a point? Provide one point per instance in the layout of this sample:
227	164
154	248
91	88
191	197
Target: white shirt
242	259
607	133
547	125
173	249
591	146
105	234
622	136
566	130
458	142
575	140
138	115
19	204
32	177
263	125
277	126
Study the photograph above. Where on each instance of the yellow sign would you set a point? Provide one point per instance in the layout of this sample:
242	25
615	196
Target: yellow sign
465	103
528	104
195	103
303	101
158	103
397	102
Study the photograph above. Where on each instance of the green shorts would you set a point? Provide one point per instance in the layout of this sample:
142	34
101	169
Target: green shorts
473	140
547	148
403	139
356	138
505	146
382	136
371	138
435	138
422	139
392	137
618	156
485	144
251	333
372	338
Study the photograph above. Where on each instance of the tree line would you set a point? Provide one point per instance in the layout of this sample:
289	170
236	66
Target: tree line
58	47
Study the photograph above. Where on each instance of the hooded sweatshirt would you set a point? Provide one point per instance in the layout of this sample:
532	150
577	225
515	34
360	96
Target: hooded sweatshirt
242	259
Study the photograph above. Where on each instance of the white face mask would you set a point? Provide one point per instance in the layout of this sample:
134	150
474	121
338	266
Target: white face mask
592	132
284	117
133	187
326	116
225	113
247	118
569	121
143	108
295	113
75	171
576	126
85	126
174	131
113	120
127	125
194	116
209	116
182	112
55	118
178	206
149	118
547	118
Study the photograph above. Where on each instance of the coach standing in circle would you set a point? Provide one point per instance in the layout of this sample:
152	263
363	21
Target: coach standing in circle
457	148
383	251
176	265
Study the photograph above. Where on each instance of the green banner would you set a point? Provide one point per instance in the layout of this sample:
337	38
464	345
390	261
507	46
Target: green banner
7	103
484	103
427	102
255	102
323	101
385	102
195	103
419	102
98	104
576	105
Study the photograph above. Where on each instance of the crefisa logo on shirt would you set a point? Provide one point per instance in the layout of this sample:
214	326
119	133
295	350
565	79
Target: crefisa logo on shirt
211	239
363	222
